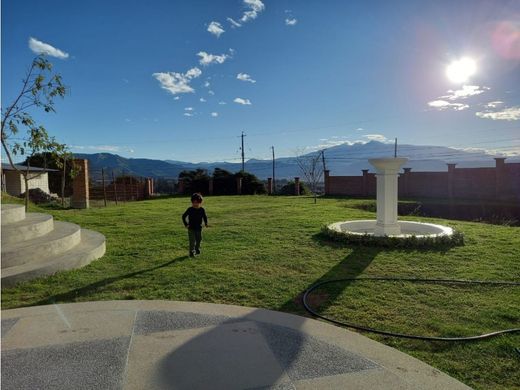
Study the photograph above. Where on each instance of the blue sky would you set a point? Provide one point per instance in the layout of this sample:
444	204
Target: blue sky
145	78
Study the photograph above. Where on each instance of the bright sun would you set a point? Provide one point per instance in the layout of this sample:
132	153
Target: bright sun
459	71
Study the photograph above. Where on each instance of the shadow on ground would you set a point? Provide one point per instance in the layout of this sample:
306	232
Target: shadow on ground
93	287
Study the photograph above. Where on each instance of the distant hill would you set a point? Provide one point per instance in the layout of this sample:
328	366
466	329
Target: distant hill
340	160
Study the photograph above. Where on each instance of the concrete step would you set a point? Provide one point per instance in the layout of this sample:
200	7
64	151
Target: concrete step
34	225
90	248
12	213
64	237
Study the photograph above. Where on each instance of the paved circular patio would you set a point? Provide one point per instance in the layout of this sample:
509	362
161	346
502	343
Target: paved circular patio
184	345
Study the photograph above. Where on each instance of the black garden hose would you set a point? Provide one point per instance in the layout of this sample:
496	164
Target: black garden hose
405	335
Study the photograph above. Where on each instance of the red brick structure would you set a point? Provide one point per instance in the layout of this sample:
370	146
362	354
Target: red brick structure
80	186
269	186
297	186
499	183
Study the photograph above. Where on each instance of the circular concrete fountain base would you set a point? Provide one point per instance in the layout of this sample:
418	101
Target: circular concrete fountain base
419	230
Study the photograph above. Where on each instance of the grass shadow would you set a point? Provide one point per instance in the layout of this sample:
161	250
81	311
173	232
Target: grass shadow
351	266
71	295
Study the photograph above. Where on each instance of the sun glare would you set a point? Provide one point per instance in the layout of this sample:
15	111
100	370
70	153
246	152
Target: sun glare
459	71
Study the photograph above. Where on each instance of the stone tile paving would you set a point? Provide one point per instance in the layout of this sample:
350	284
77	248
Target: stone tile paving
134	346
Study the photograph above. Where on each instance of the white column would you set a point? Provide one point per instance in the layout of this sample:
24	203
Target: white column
387	170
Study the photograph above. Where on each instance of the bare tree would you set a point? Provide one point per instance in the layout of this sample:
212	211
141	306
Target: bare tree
311	167
39	88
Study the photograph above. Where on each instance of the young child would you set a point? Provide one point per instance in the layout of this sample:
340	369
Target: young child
196	214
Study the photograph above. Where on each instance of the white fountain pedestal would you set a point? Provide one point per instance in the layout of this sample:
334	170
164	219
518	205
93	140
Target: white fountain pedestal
387	170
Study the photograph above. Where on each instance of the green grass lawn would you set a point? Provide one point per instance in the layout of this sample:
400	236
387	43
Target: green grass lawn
264	252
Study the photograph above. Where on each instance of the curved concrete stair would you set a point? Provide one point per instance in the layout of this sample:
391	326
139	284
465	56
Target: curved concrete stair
12	213
34	225
37	245
91	247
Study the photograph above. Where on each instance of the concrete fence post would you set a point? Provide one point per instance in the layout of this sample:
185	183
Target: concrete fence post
451	174
500	178
80	186
326	179
239	186
365	182
297	186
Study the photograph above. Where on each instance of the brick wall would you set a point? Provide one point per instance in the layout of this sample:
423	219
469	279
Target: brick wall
499	183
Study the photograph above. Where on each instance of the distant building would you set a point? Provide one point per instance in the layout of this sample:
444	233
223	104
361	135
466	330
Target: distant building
14	184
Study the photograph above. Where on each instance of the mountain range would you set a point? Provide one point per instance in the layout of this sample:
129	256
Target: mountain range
344	159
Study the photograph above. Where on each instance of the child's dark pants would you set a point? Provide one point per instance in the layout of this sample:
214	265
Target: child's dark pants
195	237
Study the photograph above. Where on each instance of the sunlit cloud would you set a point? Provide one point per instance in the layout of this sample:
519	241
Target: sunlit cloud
210	92
442	105
188	109
177	83
507	114
376	137
40	47
245	102
245	77
291	21
214	114
202	100
188	114
464	92
208	59
216	29
222	103
494	104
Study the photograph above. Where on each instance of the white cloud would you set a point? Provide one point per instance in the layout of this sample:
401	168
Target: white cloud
214	114
291	21
206	84
494	104
222	103
245	77
360	129
216	29
128	120
176	98
210	92
208	59
40	47
233	23
376	137
177	83
507	114
103	148
444	105
202	100
188	114
245	102
188	109
464	92
255	7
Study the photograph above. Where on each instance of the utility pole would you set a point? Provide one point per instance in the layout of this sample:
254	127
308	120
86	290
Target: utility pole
243	157
395	148
274	179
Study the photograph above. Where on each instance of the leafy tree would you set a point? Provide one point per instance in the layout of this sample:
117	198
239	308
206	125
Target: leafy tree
195	181
40	88
224	182
251	185
288	189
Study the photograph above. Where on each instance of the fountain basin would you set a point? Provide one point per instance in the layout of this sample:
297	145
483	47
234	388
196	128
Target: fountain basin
419	230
